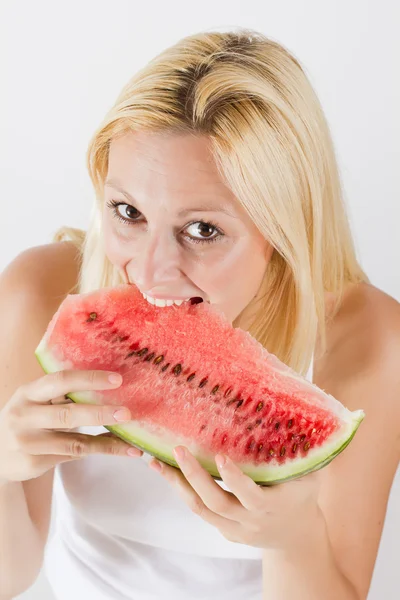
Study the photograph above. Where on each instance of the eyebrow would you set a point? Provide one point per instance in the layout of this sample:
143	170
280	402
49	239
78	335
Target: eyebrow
203	206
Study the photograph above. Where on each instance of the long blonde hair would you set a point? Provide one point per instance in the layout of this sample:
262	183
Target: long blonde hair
273	149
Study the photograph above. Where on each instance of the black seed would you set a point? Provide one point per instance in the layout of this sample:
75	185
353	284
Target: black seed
191	376
259	406
294	448
239	403
150	357
130	354
277	425
303	437
228	391
283	451
215	389
290	423
165	367
143	352
92	317
307	446
177	369
203	382
157	360
249	427
123	338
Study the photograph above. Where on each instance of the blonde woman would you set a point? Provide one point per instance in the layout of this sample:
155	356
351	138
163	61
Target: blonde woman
215	177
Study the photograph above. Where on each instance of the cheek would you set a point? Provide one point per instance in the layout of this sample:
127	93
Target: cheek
118	245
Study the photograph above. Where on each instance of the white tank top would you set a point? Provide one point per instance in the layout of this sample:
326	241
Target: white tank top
121	532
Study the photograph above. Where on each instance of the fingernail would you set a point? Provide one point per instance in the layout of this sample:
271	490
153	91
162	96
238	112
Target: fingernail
221	461
123	414
133	452
115	378
156	466
179	453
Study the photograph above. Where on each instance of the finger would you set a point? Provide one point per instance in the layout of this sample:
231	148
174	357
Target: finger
214	497
250	495
78	445
70	416
190	496
68	381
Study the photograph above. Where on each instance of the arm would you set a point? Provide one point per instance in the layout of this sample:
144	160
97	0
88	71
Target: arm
336	555
26	305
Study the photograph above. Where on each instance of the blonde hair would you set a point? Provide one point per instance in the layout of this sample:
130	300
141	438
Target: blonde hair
273	149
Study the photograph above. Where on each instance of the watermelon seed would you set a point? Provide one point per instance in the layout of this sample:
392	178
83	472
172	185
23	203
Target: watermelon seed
165	367
143	351
258	422
271	452
215	389
150	357
277	425
283	451
130	354
294	448
290	423
260	447
177	369
249	427
259	406
203	382
92	317
192	376
228	391
270	420
122	338
231	401
239	404
157	360
307	446
303	437
313	430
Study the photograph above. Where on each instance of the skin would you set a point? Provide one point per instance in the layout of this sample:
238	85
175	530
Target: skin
330	551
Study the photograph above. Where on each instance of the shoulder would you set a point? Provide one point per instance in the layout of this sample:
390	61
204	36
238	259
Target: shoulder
44	273
363	337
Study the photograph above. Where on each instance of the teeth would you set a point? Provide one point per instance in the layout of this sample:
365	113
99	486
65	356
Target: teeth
162	303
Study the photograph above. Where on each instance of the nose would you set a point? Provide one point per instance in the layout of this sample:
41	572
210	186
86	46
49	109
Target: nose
158	265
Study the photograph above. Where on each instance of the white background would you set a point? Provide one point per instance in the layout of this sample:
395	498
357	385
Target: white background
63	64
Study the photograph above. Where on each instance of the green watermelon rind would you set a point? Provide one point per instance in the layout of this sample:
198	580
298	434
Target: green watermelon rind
265	474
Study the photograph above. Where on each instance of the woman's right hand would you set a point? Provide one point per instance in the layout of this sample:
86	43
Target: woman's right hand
31	442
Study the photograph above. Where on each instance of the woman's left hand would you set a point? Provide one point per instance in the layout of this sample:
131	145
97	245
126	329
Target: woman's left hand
265	517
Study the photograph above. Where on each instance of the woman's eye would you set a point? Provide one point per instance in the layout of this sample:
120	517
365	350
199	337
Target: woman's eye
126	211
201	230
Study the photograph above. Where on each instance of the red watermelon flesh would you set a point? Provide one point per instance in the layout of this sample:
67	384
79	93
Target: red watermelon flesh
190	378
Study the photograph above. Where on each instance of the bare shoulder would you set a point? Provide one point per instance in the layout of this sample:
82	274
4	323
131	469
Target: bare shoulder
48	272
363	340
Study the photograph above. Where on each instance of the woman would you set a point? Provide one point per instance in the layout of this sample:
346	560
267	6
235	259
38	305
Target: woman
215	177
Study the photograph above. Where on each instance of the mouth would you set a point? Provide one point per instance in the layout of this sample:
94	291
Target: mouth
163	302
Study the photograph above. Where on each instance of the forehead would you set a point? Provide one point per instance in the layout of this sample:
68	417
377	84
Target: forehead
180	162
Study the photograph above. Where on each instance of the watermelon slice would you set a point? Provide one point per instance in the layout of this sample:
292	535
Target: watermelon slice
190	378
